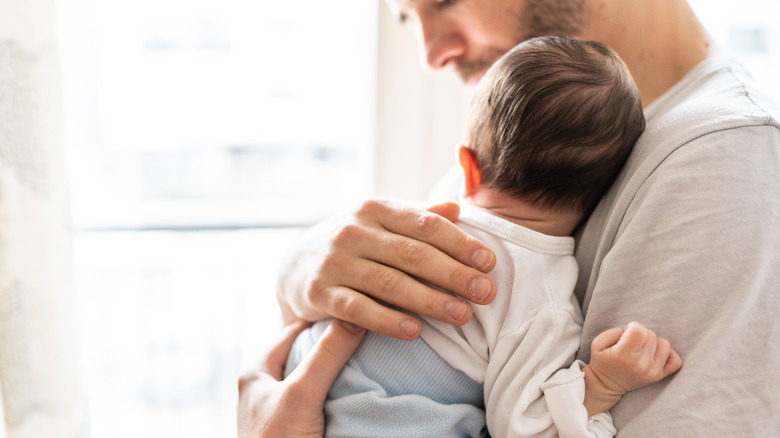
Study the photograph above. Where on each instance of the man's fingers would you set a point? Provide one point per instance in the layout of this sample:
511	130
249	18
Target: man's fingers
447	210
434	230
390	263
356	308
397	255
271	365
319	369
390	286
425	261
276	358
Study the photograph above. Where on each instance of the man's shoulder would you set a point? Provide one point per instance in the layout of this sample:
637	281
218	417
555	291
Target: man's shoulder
710	128
717	106
721	95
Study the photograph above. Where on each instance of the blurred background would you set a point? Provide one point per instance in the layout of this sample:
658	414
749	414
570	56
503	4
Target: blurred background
200	138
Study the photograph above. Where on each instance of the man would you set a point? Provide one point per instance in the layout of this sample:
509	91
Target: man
687	240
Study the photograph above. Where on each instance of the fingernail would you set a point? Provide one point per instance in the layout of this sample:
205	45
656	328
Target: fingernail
457	309
410	328
481	259
480	288
352	328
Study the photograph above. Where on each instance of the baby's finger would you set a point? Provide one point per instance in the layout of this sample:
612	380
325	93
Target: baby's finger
636	338
673	363
606	339
659	358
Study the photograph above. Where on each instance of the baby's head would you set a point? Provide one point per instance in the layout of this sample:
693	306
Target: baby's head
553	122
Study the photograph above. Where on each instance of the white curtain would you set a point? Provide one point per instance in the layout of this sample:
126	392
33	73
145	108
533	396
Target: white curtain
39	381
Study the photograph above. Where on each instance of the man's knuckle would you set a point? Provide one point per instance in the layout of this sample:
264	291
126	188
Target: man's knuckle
388	282
246	379
411	252
332	263
318	287
314	293
456	275
347	306
347	235
427	223
369	207
463	243
367	274
384	280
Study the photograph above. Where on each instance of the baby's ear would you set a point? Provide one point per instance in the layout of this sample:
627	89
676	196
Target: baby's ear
472	176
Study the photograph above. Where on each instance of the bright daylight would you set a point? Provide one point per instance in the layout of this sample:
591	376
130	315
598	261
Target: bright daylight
162	160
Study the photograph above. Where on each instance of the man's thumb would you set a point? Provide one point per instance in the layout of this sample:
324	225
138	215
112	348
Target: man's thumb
324	362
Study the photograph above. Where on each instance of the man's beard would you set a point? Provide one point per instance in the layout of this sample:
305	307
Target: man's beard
538	18
467	70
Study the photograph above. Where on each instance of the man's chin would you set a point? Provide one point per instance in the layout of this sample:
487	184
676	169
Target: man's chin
475	78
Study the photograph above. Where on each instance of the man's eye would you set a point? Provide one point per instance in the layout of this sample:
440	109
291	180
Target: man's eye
442	3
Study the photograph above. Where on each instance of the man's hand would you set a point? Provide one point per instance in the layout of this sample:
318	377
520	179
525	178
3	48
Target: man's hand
623	360
382	252
271	407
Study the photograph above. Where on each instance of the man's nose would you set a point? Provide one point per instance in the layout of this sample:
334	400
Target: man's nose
441	43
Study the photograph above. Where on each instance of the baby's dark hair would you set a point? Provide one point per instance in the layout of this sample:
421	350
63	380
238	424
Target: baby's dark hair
554	121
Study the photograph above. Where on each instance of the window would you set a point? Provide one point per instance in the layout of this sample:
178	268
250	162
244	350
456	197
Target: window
201	136
210	113
748	30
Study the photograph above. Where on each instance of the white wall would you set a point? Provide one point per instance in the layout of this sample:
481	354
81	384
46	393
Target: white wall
420	115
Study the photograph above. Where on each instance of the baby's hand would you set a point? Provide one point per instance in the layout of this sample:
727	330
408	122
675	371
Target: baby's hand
626	359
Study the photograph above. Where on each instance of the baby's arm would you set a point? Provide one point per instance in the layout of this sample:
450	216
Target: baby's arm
623	360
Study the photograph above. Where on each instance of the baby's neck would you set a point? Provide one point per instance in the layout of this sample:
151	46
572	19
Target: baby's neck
521	212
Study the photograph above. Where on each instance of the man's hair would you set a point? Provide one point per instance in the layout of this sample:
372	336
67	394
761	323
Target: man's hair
554	122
